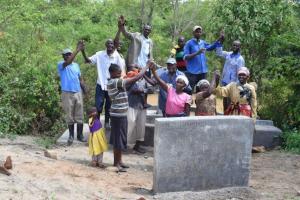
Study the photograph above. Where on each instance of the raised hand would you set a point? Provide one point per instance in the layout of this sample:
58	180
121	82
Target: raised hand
151	65
121	21
217	74
222	36
80	45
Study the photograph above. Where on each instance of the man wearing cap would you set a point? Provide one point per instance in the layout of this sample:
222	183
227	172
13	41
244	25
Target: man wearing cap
169	76
71	87
194	54
242	95
103	60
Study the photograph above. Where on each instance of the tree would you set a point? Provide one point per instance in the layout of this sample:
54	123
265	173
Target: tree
254	22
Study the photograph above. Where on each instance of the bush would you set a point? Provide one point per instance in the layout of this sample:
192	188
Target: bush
291	140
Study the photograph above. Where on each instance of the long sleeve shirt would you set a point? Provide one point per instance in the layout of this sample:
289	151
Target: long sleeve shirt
197	64
232	64
234	89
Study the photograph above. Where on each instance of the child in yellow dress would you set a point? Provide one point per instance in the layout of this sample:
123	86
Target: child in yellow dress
97	140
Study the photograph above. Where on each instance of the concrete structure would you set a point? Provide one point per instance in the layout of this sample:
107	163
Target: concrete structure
266	134
201	153
149	129
63	139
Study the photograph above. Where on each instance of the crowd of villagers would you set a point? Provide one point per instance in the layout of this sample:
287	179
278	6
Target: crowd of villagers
124	83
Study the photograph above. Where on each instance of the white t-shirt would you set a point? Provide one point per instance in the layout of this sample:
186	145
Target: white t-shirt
103	62
145	51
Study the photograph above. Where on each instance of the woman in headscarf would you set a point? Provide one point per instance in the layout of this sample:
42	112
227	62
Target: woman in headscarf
205	100
178	102
242	95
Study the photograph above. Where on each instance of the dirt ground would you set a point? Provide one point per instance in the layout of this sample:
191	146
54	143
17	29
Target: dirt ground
274	175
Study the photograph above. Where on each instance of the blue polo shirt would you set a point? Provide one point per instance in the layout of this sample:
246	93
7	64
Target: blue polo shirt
197	65
69	77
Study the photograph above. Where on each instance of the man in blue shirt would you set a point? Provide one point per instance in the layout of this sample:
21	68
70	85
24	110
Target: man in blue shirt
194	54
71	87
233	61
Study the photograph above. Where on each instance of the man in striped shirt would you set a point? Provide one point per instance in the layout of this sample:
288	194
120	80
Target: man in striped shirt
116	88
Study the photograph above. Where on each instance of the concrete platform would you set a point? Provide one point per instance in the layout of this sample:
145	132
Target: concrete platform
201	153
63	139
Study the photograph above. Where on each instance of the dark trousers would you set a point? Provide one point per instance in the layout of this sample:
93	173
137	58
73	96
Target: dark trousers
100	97
195	78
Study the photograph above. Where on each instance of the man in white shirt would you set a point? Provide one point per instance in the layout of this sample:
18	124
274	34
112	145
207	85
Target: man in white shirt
103	60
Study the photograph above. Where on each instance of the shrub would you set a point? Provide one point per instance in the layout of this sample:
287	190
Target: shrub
292	140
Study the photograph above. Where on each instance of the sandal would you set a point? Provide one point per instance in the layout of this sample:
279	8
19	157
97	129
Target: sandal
101	165
93	164
124	166
120	169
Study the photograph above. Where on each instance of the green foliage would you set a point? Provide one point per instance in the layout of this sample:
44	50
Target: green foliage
252	22
268	32
32	35
292	141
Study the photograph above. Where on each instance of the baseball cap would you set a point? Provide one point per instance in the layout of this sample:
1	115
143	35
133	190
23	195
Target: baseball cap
197	27
171	61
65	51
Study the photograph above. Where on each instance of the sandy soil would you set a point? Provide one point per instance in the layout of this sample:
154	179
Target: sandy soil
274	175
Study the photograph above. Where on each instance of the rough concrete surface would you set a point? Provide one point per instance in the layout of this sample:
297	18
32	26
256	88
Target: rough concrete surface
201	153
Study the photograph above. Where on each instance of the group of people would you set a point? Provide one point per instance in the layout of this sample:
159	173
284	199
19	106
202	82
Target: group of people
122	86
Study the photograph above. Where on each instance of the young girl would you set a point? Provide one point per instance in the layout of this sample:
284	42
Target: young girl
97	139
178	102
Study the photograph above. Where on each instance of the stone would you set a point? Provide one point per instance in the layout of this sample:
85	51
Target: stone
196	153
8	163
50	154
258	149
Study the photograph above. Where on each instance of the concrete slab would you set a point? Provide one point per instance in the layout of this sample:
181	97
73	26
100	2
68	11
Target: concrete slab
264	122
149	135
63	139
201	153
267	136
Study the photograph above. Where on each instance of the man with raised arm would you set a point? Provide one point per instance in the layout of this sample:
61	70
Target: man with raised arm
103	60
194	54
71	86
